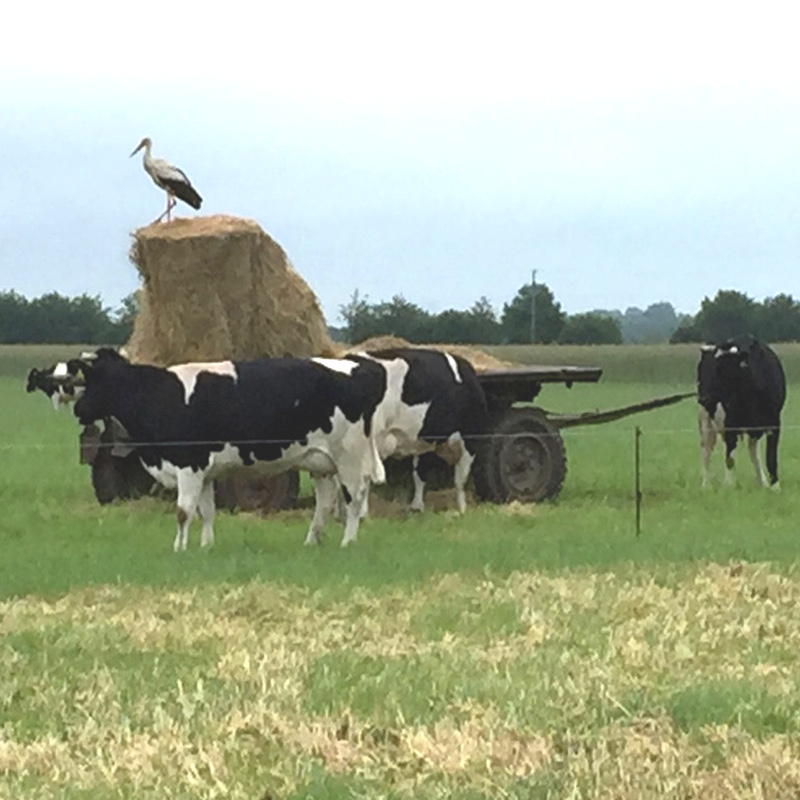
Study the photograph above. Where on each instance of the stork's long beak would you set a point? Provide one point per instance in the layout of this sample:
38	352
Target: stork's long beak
138	148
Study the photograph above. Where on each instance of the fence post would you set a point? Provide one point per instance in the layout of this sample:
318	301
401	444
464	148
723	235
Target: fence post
637	485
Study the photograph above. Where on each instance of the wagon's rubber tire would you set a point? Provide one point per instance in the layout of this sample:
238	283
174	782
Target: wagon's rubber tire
257	492
107	481
118	478
524	461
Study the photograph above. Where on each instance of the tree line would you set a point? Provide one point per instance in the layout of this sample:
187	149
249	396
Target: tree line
53	318
479	324
728	314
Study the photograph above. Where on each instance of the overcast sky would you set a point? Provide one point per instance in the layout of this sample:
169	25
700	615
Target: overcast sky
629	152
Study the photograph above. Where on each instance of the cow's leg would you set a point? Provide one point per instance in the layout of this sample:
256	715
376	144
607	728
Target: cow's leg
354	504
190	487
363	512
418	501
354	488
708	438
730	446
752	446
772	457
207	509
463	466
326	491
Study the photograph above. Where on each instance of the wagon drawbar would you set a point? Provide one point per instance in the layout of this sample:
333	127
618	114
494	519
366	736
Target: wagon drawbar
523	456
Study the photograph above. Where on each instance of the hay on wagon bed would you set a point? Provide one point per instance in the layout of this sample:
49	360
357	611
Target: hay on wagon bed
219	287
480	359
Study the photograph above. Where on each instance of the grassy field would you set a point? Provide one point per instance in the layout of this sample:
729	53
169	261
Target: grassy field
520	652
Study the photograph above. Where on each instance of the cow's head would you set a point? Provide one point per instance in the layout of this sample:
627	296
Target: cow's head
98	378
55	382
733	365
37	379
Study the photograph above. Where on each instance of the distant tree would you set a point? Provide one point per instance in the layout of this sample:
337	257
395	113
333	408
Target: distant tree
728	315
397	317
338	334
400	317
13	313
478	325
685	332
485	326
515	320
778	319
128	310
122	319
591	328
358	316
53	318
655	324
452	326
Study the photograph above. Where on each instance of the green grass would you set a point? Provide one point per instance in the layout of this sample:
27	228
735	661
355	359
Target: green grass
520	652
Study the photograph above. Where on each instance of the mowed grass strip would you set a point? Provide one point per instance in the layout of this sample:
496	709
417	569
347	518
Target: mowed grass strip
592	683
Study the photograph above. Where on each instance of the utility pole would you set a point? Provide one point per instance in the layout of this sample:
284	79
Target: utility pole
533	306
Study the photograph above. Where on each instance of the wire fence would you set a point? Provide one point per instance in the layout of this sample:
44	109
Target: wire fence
589	431
631	440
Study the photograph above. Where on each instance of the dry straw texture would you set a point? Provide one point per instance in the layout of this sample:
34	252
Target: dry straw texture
531	686
219	287
479	359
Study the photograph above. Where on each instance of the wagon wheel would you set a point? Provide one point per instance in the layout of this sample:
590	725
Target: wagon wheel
524	461
257	492
113	477
107	481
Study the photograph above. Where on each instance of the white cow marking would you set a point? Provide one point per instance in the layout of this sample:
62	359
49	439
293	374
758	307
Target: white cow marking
454	367
337	365
187	373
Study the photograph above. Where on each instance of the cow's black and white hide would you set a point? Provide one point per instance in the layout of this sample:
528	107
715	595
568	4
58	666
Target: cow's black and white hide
741	390
51	381
191	422
434	403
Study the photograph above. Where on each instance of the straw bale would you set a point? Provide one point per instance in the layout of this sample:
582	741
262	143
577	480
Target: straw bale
480	359
219	287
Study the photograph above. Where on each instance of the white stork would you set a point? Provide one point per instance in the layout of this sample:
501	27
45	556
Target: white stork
171	179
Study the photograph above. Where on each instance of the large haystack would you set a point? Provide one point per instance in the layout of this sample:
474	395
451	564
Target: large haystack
219	287
480	359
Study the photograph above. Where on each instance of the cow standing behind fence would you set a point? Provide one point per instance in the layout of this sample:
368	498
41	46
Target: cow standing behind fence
741	389
51	382
434	404
191	422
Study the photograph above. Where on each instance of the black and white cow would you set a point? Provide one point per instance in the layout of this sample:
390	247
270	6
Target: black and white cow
741	389
47	380
191	422
434	404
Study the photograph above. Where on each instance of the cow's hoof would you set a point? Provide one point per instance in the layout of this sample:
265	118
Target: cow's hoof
776	487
